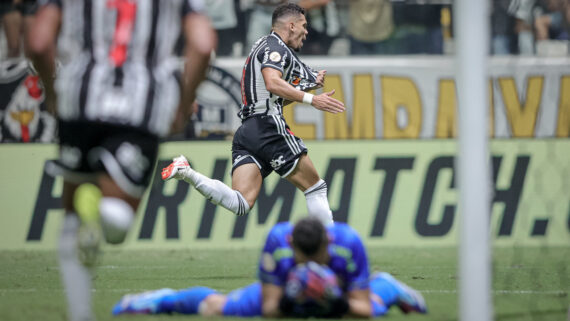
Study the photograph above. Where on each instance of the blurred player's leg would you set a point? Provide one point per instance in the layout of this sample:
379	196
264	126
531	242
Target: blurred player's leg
142	303
86	204
242	302
306	178
163	301
12	24
394	292
90	210
214	190
117	210
378	307
76	277
107	209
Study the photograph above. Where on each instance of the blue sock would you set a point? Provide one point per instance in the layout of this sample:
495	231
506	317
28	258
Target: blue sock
385	288
378	309
184	301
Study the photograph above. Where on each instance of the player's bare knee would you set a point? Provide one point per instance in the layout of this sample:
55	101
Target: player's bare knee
117	216
212	305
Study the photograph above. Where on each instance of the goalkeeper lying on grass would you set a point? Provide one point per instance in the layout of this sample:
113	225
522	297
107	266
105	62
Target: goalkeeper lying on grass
294	272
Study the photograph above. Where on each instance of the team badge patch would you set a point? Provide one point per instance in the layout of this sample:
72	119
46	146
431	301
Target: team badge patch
274	56
267	262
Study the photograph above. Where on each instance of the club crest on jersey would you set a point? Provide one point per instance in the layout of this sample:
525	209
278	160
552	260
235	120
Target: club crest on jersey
23	114
268	262
295	80
275	56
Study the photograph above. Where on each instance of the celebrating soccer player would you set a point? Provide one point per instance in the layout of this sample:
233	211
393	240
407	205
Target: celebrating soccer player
273	76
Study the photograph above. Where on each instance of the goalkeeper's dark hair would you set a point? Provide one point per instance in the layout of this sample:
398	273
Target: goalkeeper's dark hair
309	234
285	10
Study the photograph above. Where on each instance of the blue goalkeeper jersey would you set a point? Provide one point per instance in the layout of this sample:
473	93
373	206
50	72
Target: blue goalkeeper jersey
348	257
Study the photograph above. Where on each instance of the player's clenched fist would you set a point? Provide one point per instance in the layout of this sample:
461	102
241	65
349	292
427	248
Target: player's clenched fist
320	81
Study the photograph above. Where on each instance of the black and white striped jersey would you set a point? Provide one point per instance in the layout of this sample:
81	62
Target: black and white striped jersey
118	61
271	52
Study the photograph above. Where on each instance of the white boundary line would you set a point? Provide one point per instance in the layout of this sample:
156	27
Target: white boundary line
519	292
526	292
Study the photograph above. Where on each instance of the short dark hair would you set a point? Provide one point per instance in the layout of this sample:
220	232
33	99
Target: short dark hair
286	9
309	234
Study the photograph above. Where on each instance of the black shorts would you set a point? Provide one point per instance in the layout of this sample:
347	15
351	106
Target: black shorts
87	149
268	142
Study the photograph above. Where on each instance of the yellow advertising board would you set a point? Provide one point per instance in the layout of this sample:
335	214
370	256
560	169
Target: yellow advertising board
387	97
416	98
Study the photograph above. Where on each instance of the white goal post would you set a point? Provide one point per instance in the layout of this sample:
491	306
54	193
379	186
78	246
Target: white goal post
471	22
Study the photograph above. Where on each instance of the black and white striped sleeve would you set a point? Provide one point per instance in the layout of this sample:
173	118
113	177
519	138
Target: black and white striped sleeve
274	56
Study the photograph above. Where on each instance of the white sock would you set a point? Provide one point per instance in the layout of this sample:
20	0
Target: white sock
317	202
217	192
117	216
75	276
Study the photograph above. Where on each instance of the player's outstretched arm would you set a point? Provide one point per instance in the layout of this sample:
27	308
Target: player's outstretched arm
271	296
200	41
276	85
41	45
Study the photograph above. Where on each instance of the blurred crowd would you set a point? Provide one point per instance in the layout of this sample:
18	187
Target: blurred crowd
396	27
340	27
529	27
336	28
361	27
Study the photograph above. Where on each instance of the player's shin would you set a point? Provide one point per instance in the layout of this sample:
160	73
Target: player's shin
378	307
317	202
75	276
218	192
163	301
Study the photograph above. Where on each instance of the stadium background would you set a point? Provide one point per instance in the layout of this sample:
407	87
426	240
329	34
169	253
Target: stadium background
389	160
389	163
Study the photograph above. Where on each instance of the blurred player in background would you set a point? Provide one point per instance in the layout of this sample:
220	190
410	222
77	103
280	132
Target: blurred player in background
16	17
273	76
337	246
117	94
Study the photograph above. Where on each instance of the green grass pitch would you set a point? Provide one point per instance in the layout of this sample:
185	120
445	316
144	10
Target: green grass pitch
529	283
